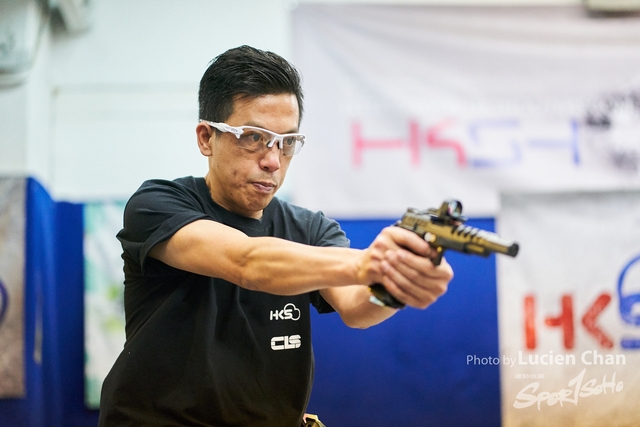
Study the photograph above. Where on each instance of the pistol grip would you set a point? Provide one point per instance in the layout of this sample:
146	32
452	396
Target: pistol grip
380	296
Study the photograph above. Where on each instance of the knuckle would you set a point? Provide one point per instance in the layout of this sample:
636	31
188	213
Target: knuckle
442	289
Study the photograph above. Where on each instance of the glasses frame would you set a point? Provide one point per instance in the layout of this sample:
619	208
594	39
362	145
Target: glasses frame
239	130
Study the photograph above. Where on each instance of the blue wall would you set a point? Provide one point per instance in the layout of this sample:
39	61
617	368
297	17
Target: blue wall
54	311
411	370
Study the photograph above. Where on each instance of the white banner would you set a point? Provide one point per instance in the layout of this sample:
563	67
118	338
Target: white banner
409	105
569	312
12	260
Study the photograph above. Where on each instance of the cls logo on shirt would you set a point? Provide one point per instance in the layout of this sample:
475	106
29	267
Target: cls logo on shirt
289	312
286	343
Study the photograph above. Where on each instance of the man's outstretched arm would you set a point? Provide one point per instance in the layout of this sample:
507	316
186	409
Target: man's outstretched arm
397	258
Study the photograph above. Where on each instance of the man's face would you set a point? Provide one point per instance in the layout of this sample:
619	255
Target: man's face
244	181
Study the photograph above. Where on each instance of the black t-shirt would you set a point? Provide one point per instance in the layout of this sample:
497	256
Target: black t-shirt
201	351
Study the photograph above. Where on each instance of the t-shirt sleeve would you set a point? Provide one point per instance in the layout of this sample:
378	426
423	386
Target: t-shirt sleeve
152	215
328	233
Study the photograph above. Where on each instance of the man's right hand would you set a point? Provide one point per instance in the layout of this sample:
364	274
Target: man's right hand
401	261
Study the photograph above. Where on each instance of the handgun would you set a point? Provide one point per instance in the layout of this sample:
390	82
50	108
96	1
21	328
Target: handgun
444	229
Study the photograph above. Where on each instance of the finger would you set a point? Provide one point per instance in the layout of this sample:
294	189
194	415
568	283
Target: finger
410	266
409	240
413	275
385	240
413	242
415	266
421	299
406	290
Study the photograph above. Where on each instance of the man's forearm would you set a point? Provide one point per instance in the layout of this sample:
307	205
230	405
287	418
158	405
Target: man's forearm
264	264
282	267
352	303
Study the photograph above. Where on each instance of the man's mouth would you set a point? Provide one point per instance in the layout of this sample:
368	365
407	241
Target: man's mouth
264	187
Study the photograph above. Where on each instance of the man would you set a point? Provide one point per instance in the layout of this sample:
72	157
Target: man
220	274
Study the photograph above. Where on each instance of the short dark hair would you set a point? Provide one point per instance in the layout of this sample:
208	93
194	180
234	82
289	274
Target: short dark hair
245	72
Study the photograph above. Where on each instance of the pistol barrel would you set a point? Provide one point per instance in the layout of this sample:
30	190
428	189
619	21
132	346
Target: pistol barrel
495	243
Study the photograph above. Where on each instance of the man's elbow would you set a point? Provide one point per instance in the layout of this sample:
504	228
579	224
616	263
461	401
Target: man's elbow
357	322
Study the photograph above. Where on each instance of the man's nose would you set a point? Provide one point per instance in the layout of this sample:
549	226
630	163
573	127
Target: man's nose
270	161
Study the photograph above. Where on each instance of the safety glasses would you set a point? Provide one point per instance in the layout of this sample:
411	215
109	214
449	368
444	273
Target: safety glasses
257	139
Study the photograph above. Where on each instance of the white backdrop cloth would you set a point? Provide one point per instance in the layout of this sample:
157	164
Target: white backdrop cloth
569	309
409	105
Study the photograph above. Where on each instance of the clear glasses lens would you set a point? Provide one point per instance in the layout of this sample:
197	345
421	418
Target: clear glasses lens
257	139
254	139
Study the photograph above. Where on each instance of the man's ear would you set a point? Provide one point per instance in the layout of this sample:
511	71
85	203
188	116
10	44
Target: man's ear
204	135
